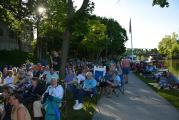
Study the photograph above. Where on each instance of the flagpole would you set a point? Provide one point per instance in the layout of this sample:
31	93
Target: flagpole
130	31
131	46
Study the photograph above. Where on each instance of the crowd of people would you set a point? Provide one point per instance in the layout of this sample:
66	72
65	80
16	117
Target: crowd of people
157	72
39	88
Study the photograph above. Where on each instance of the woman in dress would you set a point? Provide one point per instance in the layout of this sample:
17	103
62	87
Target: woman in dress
19	111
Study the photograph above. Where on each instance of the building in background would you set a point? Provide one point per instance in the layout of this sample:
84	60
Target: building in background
8	38
27	38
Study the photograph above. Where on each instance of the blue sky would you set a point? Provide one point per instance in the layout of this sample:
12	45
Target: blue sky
149	24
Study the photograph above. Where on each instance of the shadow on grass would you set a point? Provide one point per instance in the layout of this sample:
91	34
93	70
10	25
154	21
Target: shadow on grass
67	112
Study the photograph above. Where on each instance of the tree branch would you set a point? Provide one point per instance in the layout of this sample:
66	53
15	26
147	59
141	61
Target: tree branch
83	6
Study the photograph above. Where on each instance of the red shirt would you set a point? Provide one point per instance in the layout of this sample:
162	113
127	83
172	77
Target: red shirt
126	63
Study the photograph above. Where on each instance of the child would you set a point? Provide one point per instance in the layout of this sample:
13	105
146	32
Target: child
117	79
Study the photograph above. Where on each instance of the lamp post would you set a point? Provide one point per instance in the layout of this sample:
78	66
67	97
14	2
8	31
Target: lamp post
40	12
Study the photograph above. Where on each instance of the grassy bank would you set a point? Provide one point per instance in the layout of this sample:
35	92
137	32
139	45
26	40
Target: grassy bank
171	95
86	113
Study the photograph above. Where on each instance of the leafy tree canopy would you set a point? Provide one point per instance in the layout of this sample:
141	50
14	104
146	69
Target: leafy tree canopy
168	46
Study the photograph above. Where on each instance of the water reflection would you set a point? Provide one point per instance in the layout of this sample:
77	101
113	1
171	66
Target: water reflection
173	66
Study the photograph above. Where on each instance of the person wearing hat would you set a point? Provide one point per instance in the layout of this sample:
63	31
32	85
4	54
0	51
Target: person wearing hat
51	74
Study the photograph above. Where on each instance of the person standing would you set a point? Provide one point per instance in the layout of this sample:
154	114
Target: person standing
125	64
55	60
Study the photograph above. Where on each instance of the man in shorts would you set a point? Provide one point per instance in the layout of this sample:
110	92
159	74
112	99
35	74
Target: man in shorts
125	64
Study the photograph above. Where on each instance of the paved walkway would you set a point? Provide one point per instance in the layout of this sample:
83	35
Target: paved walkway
139	103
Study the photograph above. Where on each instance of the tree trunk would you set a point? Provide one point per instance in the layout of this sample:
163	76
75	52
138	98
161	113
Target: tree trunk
65	49
67	33
66	38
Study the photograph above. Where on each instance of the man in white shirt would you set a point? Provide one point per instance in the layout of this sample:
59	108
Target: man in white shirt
54	89
55	93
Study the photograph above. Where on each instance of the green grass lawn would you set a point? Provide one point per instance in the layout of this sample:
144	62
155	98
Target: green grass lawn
67	112
86	113
171	95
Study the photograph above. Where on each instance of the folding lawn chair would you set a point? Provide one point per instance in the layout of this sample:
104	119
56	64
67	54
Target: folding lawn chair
99	71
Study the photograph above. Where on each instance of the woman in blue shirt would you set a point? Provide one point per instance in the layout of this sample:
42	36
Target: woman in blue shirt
89	87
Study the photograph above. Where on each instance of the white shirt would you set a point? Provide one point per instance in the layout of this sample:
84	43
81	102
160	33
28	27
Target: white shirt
80	78
55	91
8	80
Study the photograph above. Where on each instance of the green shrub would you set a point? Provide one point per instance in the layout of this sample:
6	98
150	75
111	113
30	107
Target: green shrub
14	57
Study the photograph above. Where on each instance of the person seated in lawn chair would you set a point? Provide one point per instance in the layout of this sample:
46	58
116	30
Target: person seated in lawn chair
24	82
150	68
9	80
51	74
111	77
164	83
173	81
102	85
81	76
117	79
34	94
6	108
103	82
89	88
4	74
46	72
70	80
99	73
51	101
